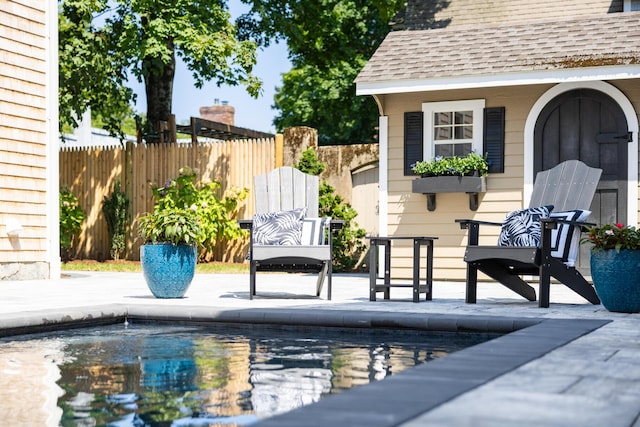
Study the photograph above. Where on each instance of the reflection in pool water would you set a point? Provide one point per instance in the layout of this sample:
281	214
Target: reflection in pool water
159	375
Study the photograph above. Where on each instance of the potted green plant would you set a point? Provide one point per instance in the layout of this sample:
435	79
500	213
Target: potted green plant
189	218
171	234
615	265
451	175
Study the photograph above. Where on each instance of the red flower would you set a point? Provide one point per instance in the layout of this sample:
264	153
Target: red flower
620	225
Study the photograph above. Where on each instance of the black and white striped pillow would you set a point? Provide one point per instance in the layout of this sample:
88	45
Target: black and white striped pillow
523	227
565	238
278	228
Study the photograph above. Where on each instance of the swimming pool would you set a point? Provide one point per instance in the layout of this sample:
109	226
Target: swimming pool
196	375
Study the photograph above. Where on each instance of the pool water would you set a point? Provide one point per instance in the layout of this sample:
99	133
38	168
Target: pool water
185	375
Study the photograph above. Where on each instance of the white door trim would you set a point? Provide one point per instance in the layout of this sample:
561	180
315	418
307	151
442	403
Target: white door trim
632	122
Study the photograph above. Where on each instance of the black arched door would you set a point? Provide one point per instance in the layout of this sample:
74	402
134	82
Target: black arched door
590	126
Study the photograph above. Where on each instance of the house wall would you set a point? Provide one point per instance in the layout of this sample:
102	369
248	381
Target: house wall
631	89
407	212
478	12
23	138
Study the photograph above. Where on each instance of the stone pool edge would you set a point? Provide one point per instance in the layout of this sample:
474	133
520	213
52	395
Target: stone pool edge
390	402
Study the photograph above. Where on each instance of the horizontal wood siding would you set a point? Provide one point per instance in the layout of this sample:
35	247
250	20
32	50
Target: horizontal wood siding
91	173
408	214
23	130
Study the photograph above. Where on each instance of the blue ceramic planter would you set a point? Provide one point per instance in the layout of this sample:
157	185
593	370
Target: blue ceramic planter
616	277
168	269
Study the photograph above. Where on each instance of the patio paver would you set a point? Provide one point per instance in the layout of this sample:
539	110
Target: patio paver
548	378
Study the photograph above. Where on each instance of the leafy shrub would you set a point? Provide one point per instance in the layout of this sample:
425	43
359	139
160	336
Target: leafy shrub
116	212
348	243
71	217
219	219
191	212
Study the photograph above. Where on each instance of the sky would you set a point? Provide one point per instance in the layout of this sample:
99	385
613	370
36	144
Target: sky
250	113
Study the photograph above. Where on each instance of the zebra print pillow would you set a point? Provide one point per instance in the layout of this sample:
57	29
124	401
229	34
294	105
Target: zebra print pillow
278	228
523	227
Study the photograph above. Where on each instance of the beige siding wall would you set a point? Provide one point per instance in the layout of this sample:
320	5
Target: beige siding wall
23	129
474	12
408	214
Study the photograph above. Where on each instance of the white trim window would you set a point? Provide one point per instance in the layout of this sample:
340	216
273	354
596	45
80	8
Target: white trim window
453	128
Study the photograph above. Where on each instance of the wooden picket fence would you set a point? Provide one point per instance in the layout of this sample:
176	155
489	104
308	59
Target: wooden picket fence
90	173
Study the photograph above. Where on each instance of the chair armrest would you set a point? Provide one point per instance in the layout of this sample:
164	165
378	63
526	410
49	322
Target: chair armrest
334	224
465	223
474	229
553	222
245	224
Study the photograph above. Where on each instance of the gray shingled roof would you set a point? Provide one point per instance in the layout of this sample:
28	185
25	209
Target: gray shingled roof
468	52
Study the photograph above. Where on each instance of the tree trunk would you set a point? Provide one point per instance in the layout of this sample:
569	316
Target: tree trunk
158	80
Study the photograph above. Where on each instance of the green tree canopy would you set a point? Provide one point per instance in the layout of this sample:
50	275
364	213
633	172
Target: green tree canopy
102	41
329	42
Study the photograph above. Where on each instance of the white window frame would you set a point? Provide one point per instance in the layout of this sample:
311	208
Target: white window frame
628	5
474	105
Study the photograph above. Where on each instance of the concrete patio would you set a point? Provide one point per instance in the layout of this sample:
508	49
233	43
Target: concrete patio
573	364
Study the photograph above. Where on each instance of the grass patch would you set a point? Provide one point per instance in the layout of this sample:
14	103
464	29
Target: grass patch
123	266
222	267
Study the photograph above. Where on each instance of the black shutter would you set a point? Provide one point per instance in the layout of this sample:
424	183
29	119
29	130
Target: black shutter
494	138
413	125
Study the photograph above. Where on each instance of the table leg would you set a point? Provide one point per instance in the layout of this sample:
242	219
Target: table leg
429	280
373	269
416	270
387	269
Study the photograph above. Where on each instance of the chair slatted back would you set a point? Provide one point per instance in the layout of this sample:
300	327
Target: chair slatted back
286	188
569	185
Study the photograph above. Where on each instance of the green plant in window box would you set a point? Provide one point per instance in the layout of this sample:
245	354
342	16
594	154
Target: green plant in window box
453	166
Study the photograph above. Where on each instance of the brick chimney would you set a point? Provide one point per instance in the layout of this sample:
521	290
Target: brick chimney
219	112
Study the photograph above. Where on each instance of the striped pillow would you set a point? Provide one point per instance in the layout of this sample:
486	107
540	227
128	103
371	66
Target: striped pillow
313	231
278	228
565	239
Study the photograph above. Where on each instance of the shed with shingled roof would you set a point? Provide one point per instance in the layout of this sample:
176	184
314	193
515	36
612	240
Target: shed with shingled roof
528	85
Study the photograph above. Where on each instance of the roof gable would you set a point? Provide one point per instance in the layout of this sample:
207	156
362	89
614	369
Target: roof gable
475	54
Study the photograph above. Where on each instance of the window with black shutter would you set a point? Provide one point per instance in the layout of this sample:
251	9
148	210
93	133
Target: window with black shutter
494	138
413	132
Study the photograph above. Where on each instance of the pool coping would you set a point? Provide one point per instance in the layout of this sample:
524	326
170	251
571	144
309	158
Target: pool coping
389	402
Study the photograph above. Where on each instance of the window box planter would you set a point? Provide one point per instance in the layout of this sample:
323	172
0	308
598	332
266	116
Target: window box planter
431	185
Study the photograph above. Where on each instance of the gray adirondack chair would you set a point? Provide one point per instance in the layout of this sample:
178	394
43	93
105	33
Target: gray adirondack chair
569	185
284	189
